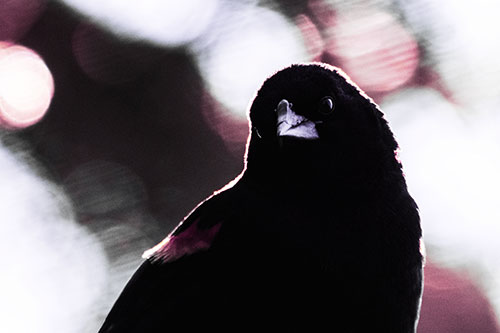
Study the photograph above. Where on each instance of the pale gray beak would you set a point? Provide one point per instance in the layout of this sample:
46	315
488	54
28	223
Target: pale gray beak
292	124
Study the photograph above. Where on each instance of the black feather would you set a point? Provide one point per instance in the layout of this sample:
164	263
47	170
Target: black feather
315	234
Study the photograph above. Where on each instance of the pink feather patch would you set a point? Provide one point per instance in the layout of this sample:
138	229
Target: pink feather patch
189	241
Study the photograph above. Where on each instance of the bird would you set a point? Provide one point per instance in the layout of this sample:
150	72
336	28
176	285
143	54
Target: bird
318	232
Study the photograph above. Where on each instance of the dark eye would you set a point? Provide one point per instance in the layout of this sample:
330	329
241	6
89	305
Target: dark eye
326	106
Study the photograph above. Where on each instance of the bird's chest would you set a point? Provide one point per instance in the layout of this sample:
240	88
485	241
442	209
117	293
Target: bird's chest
304	236
303	231
294	254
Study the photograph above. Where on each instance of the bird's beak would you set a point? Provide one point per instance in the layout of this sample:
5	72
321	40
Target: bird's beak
294	125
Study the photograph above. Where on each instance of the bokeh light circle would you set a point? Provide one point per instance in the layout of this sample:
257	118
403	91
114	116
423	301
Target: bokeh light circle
26	86
377	52
235	58
461	42
170	23
54	271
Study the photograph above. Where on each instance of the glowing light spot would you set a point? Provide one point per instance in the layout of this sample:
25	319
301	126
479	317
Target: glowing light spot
26	86
374	49
170	23
53	270
460	40
251	44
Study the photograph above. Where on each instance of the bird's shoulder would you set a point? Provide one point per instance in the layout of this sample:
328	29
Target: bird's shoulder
197	231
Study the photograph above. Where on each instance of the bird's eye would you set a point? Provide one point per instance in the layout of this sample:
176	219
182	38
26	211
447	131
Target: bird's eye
326	106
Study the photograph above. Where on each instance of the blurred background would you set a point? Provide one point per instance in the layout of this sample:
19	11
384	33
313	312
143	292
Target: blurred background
118	117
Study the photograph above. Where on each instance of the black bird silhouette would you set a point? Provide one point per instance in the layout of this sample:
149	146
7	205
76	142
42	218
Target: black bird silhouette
318	233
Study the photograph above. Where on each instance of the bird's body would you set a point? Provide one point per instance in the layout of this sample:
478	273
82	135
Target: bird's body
318	232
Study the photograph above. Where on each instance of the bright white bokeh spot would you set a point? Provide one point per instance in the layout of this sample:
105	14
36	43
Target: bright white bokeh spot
54	272
250	44
373	48
163	22
461	41
26	86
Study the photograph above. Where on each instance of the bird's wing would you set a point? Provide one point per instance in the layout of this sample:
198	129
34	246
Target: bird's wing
171	273
194	234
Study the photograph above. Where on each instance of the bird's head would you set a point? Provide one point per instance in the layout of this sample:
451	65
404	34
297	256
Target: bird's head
310	120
